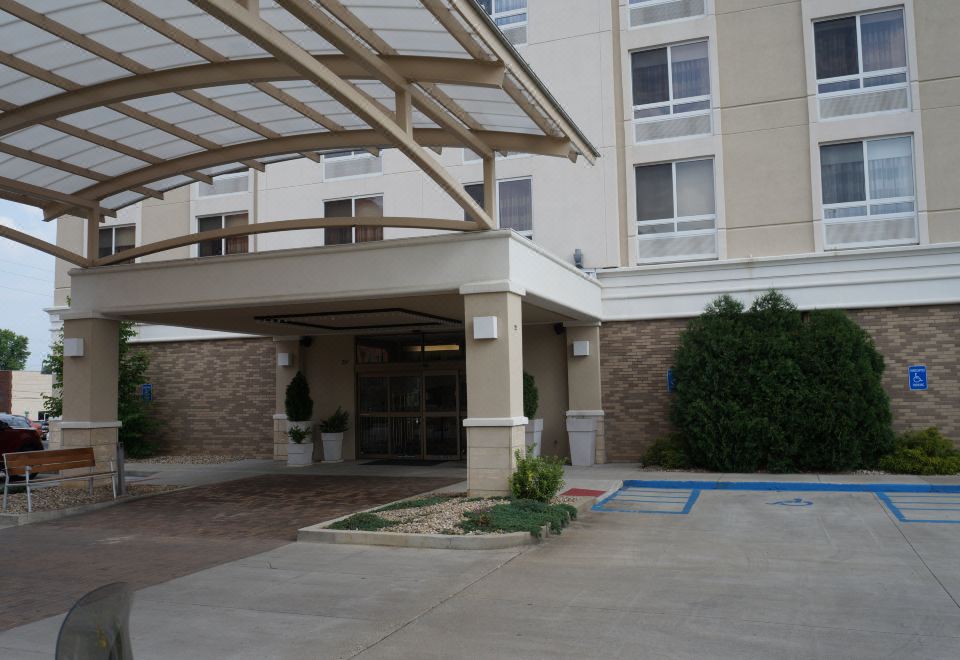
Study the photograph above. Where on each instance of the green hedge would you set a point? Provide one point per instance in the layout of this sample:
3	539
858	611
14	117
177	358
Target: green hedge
922	452
771	388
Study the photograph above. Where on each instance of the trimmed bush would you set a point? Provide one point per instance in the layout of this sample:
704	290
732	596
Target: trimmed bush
668	452
922	452
772	389
536	477
531	396
297	404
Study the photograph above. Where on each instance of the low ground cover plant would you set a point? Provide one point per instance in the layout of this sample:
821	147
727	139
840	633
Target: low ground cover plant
418	503
922	452
367	522
520	515
537	478
771	388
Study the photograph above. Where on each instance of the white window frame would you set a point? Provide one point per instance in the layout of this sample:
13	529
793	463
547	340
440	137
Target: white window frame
862	76
653	3
231	175
671	102
496	201
676	220
868	202
113	236
355	154
353	214
223	244
494	15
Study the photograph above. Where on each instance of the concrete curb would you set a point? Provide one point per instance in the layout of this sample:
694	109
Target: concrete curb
321	534
18	519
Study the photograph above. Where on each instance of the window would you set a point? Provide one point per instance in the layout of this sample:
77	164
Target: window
219	246
868	192
116	239
676	213
514	204
645	12
863	57
510	16
225	184
348	164
353	207
671	82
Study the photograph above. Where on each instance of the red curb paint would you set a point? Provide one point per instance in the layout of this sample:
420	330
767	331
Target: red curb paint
583	492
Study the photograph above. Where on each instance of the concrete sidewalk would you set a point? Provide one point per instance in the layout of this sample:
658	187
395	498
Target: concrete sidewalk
735	578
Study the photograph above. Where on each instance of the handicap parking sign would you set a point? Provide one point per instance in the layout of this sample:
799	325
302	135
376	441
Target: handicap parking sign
918	377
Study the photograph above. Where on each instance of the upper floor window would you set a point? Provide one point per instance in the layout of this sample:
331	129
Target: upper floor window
347	164
645	12
868	193
116	239
676	211
671	91
514	204
218	246
861	64
353	207
225	184
510	16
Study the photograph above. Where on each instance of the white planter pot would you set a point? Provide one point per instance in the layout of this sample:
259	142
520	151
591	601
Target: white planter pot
332	447
534	429
299	455
582	432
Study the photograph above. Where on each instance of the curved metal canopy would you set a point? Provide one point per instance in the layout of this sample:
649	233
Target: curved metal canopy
106	102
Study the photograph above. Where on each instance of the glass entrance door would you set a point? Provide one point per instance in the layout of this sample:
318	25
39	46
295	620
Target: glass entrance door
411	414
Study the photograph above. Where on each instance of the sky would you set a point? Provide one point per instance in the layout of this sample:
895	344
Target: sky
26	280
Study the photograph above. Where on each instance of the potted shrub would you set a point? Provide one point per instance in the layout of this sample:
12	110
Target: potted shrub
531	401
299	409
331	435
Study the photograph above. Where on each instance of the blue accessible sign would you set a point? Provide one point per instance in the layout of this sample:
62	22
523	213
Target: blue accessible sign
918	377
146	392
671	381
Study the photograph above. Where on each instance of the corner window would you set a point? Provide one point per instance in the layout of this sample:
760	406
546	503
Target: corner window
646	12
510	16
670	82
514	204
349	164
116	239
225	184
868	193
220	246
676	212
353	207
863	57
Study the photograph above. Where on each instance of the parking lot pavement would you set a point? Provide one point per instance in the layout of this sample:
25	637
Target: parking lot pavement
739	575
47	566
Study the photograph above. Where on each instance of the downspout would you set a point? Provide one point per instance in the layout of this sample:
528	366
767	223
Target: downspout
621	138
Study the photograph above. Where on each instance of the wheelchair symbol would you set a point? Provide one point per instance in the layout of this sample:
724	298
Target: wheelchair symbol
796	501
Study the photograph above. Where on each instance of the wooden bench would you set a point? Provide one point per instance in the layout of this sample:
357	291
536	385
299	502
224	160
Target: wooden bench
30	464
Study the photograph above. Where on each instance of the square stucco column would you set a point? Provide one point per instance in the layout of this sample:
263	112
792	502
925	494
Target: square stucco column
90	388
494	387
287	364
584	394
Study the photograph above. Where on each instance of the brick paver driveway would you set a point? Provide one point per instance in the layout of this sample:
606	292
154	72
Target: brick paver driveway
47	566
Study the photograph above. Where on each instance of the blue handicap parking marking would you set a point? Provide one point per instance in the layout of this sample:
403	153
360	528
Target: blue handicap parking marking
796	501
923	507
650	500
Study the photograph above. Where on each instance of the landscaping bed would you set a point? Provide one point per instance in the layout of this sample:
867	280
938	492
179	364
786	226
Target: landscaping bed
190	459
55	498
455	514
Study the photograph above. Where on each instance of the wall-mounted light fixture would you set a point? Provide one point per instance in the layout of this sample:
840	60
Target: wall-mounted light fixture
484	327
73	347
581	348
283	359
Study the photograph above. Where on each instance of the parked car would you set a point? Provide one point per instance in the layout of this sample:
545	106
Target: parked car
18	434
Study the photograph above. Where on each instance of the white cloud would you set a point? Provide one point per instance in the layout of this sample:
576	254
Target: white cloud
26	279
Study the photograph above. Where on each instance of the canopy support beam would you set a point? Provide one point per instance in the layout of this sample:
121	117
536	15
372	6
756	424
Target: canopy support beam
43	246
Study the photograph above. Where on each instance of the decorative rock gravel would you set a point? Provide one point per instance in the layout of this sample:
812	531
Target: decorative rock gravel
51	498
445	517
190	459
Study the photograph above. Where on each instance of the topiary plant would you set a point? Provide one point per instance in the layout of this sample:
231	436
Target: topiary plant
297	403
531	396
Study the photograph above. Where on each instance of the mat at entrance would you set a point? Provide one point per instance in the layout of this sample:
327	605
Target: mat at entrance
408	462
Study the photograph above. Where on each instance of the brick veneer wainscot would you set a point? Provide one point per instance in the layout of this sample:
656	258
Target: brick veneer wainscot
214	397
637	354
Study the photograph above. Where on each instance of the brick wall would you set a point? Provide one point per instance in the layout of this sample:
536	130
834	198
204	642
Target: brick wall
214	397
635	356
6	391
